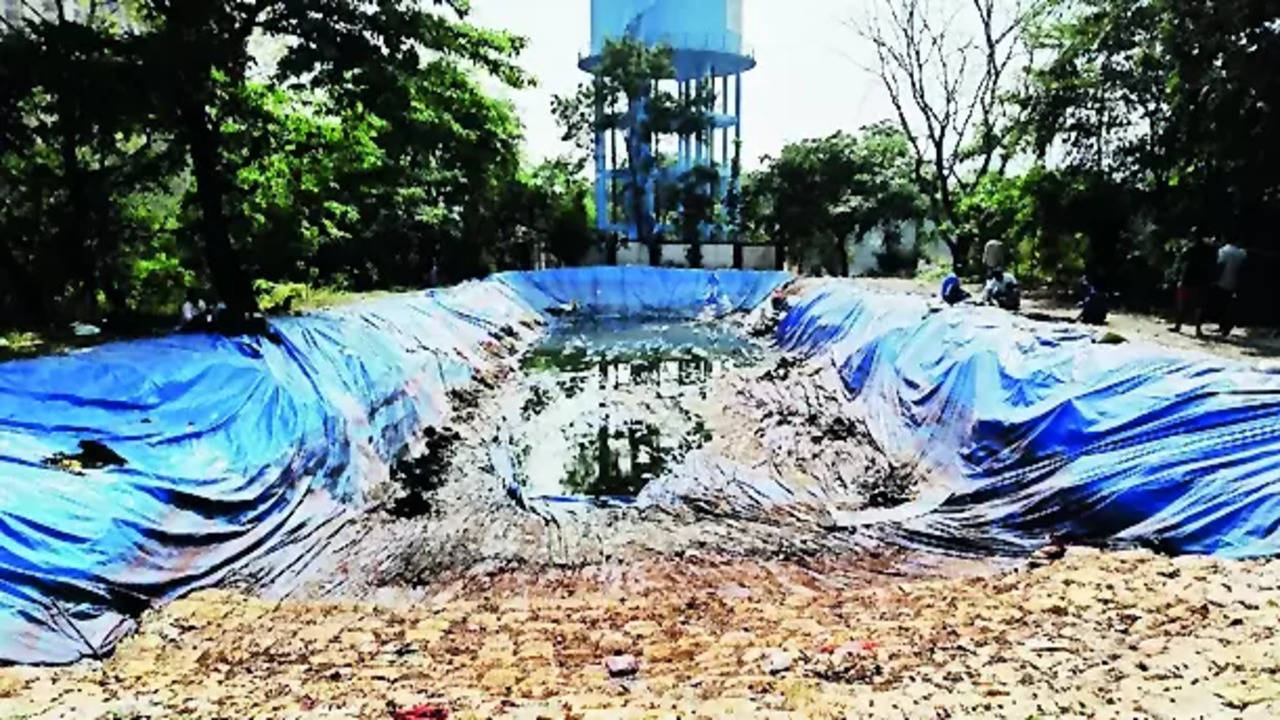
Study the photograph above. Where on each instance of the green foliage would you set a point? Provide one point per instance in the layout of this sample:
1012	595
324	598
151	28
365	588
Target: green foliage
1148	119
149	151
296	166
818	194
556	206
75	148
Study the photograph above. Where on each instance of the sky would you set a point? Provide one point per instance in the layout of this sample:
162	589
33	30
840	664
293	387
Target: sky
807	83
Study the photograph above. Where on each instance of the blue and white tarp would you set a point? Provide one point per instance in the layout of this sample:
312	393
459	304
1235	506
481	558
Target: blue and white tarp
1029	430
237	448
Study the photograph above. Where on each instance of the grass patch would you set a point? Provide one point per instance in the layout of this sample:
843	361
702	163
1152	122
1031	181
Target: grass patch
284	298
932	275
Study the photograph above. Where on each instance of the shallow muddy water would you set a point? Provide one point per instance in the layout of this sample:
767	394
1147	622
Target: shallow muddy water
611	402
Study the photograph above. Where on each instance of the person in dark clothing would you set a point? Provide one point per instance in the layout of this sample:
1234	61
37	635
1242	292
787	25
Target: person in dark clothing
1093	305
1199	263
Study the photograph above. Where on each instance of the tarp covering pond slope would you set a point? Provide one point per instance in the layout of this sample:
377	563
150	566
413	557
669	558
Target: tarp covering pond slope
237	448
1034	430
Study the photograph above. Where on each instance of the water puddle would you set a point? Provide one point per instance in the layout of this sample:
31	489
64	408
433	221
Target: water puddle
611	404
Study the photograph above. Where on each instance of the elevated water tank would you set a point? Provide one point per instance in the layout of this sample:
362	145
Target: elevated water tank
710	57
705	34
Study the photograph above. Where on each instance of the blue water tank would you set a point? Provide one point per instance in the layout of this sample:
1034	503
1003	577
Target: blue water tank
705	34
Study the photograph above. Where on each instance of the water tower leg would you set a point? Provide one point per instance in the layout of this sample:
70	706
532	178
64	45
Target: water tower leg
602	180
737	99
710	133
724	110
697	135
615	200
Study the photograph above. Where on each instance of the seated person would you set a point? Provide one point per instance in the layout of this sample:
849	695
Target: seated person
952	291
1093	306
1003	291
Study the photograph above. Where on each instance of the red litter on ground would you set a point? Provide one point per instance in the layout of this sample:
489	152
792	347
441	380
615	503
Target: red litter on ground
422	712
849	648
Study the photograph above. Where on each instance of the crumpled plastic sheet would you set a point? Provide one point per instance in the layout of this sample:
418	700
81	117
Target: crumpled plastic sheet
240	448
1032	432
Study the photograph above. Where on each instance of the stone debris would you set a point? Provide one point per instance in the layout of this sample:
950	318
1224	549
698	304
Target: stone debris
622	666
1094	635
777	662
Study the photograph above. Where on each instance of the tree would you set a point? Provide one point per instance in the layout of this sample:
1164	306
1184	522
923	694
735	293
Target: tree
945	67
352	53
560	209
362	154
299	182
1157	116
817	194
75	146
545	208
690	199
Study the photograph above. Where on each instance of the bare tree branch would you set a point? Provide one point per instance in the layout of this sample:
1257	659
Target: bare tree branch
944	66
35	11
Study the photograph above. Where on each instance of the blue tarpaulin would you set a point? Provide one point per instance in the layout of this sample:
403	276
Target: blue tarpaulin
643	291
1030	430
235	448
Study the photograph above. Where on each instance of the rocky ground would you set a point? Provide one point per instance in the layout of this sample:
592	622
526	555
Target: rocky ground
1126	635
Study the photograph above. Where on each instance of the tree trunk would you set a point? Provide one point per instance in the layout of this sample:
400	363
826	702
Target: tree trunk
78	258
959	247
842	257
24	285
229	279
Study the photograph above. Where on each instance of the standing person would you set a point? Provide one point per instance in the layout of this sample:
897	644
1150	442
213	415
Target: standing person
1231	259
1195	277
993	259
1093	304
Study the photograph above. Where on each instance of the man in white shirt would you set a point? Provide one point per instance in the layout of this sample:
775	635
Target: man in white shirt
1231	259
993	258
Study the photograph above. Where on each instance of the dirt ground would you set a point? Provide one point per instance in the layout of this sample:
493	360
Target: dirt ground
1123	635
1259	345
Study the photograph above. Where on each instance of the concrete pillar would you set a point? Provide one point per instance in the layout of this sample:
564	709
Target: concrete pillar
737	99
602	179
724	110
613	180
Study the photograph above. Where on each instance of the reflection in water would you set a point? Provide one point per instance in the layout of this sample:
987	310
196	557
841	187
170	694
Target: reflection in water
615	414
